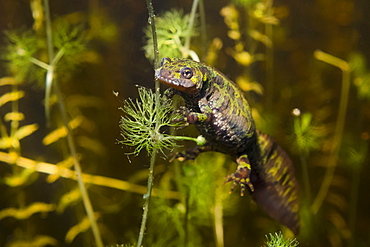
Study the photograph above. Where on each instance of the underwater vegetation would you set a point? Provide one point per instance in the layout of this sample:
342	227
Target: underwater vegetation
88	141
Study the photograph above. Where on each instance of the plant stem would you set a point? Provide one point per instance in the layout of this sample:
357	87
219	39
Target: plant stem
203	28
184	138
40	63
190	27
77	167
338	133
50	79
353	205
218	210
303	157
355	187
269	68
306	178
147	196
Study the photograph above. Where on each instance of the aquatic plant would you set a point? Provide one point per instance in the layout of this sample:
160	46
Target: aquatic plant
144	120
173	29
277	239
21	54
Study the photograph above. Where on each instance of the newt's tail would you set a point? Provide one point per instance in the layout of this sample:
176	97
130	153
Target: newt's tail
276	188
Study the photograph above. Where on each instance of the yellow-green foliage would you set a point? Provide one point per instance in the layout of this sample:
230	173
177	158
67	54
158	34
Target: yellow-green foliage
139	126
37	241
172	31
25	213
306	135
25	59
278	240
21	48
358	65
203	204
246	2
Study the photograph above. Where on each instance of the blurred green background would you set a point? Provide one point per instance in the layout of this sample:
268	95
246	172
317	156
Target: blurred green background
284	54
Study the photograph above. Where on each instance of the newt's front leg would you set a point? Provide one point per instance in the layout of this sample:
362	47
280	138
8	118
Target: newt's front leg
189	117
242	175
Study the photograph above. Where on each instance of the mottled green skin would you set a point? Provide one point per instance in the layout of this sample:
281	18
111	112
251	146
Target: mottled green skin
223	116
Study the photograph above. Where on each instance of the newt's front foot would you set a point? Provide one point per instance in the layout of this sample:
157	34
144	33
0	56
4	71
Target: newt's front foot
189	117
241	176
183	113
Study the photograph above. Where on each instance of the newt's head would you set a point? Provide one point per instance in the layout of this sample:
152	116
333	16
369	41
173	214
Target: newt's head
182	74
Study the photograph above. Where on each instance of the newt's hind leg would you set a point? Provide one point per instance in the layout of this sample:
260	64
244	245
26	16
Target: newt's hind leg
242	175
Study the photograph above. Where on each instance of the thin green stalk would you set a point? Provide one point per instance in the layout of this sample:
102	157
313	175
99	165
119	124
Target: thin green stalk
49	82
218	220
269	69
203	28
51	79
355	185
306	178
303	158
40	63
187	217
147	198
218	212
250	42
77	167
200	141
50	68
148	195
338	134
190	27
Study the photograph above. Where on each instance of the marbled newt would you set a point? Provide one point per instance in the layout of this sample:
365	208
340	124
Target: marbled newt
223	117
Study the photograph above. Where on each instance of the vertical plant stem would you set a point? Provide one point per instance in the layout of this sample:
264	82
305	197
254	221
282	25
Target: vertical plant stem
338	133
190	27
269	69
251	43
303	158
306	178
355	186
148	195
353	205
218	219
186	217
218	210
50	47
203	32
184	198
50	80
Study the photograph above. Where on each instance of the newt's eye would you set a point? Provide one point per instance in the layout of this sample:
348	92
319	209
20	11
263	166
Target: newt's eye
186	72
